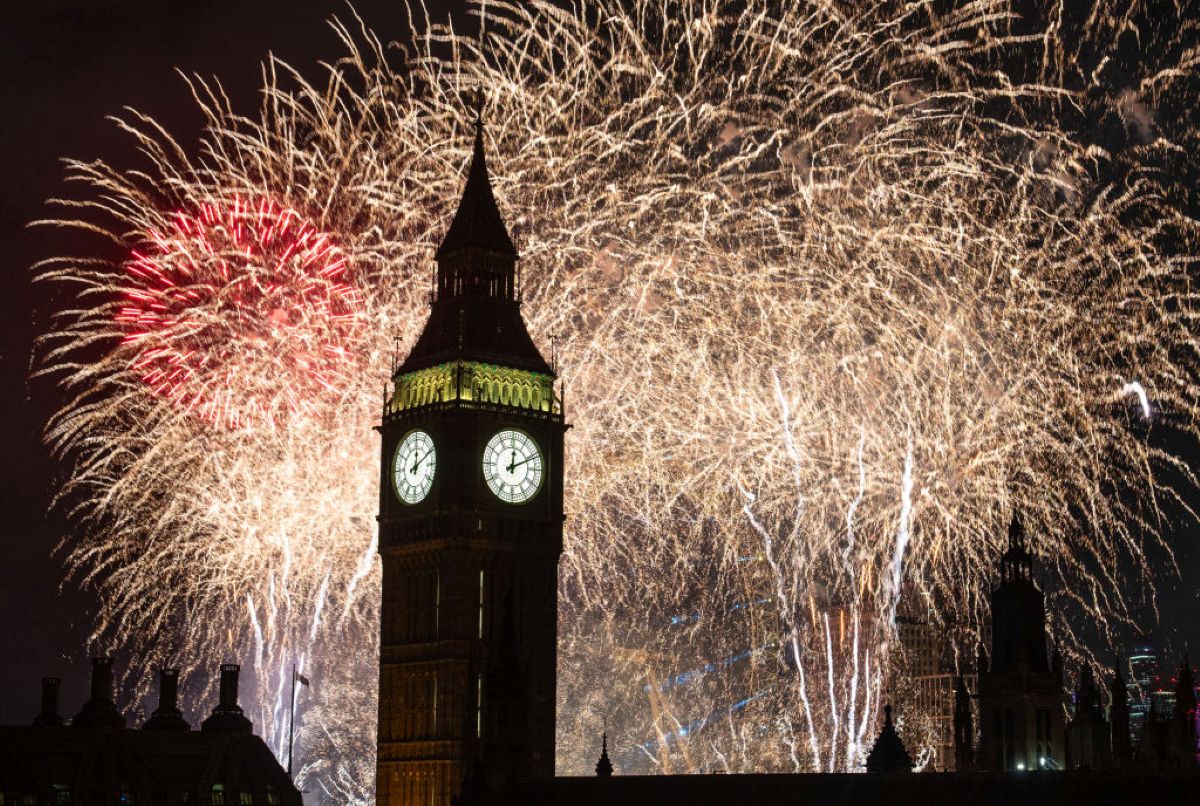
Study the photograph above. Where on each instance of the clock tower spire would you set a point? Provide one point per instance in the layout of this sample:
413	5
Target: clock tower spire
470	528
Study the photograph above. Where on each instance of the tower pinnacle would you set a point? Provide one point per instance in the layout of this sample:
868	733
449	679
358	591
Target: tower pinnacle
604	767
478	224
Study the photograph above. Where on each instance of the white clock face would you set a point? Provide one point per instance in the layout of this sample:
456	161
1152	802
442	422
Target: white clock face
413	467
512	465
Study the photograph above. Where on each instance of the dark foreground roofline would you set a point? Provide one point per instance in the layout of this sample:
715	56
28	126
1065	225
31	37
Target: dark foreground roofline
894	789
50	765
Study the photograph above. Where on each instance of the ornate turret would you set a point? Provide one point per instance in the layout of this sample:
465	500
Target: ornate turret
889	753
1018	611
1016	562
1087	695
1089	736
1020	688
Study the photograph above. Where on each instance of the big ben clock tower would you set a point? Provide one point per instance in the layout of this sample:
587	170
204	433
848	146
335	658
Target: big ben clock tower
470	529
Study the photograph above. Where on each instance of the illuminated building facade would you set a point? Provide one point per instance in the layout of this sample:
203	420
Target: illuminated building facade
1143	674
934	687
470	530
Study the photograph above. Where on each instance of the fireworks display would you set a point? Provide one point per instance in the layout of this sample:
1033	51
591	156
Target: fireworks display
834	288
238	312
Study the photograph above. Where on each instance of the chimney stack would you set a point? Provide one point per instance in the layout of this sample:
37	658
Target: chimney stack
99	711
229	685
167	715
101	678
227	717
49	717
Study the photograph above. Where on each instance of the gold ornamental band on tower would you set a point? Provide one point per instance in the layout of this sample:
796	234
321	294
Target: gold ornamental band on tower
473	381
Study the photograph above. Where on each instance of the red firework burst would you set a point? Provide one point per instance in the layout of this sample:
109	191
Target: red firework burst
241	313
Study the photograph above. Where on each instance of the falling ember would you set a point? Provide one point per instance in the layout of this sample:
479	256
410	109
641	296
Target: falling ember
241	314
1137	390
834	287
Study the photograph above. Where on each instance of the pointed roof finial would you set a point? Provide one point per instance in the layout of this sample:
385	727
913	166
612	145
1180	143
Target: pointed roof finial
478	112
889	754
1016	533
604	767
477	224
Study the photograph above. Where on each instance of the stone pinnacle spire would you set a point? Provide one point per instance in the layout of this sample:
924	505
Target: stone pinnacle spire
478	224
604	767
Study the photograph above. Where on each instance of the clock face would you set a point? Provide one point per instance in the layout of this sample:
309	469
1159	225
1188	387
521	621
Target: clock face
512	465
413	467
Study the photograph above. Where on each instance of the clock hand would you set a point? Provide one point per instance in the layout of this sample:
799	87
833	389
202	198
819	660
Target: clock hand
418	462
511	461
518	464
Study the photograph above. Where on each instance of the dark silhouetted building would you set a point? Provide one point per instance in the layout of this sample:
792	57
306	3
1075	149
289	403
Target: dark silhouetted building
1186	715
1169	735
1089	736
1020	683
964	728
1118	717
470	530
96	760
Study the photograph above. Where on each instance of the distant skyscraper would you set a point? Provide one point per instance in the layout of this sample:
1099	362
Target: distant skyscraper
1143	669
923	648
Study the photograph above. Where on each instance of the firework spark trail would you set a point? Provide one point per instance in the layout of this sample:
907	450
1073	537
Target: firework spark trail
903	533
830	663
788	617
1135	388
862	489
854	741
914	245
867	713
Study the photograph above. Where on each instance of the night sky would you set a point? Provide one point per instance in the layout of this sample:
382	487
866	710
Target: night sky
66	64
